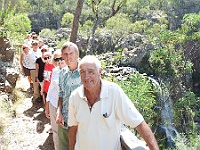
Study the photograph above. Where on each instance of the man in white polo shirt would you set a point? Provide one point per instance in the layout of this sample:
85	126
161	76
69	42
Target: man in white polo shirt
33	55
96	110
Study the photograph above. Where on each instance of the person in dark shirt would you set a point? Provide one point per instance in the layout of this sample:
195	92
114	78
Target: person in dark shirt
40	69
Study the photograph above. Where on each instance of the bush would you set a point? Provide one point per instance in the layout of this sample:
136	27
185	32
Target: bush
67	20
47	33
141	92
19	23
190	142
17	27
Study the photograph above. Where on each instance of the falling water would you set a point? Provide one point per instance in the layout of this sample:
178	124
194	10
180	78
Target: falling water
165	106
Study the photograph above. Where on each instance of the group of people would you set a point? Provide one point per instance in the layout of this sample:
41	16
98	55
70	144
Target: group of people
85	111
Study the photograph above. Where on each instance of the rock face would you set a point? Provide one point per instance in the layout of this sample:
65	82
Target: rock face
44	20
8	72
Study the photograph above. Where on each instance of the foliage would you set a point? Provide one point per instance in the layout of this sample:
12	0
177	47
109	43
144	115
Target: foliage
185	110
118	58
140	90
60	43
165	60
140	26
3	33
56	6
120	26
67	20
18	23
7	9
86	27
191	25
17	26
4	109
189	142
22	6
47	33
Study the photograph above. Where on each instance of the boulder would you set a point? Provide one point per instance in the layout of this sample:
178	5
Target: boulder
8	67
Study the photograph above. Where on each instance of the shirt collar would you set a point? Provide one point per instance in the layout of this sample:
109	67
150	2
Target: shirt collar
103	94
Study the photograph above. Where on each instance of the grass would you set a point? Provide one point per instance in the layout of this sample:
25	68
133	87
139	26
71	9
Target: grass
8	105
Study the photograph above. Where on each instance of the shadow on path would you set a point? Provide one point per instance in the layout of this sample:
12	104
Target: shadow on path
48	144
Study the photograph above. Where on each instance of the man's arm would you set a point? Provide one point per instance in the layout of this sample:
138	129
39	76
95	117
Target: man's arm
72	137
147	135
59	116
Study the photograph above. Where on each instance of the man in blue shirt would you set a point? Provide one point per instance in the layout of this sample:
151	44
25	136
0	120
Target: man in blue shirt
69	79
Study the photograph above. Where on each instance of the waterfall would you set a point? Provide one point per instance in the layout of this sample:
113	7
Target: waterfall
166	109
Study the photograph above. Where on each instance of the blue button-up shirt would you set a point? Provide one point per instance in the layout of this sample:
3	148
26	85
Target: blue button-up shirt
68	82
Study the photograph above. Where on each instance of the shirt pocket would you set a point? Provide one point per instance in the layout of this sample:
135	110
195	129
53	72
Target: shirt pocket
107	122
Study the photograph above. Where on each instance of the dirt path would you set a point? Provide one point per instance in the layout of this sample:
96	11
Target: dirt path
28	130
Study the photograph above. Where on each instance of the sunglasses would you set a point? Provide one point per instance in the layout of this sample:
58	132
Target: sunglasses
24	48
57	59
43	50
48	57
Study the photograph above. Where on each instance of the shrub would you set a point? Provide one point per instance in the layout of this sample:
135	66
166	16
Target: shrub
47	33
67	20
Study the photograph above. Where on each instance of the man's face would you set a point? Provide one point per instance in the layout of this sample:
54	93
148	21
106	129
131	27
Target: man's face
90	75
70	56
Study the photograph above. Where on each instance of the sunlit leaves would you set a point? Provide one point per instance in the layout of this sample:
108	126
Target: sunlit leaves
140	90
18	23
67	20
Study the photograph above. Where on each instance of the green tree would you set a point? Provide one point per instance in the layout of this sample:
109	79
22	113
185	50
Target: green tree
17	27
103	10
119	25
67	20
191	25
7	9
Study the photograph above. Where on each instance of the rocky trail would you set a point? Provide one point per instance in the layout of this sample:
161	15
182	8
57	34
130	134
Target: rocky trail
28	130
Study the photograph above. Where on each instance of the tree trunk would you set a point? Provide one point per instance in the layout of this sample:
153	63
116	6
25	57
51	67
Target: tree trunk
91	40
77	14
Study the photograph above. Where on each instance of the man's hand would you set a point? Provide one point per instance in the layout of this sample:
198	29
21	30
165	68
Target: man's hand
59	119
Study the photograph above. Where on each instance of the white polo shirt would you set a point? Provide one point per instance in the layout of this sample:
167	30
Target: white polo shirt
99	129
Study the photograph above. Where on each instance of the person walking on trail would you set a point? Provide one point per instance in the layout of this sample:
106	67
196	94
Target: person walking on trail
69	80
28	40
52	95
40	62
24	63
48	68
32	56
97	109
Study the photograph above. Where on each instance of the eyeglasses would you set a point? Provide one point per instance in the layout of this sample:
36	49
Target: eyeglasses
57	59
48	57
43	50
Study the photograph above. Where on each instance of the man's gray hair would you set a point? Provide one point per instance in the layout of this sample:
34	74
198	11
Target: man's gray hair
69	45
90	59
